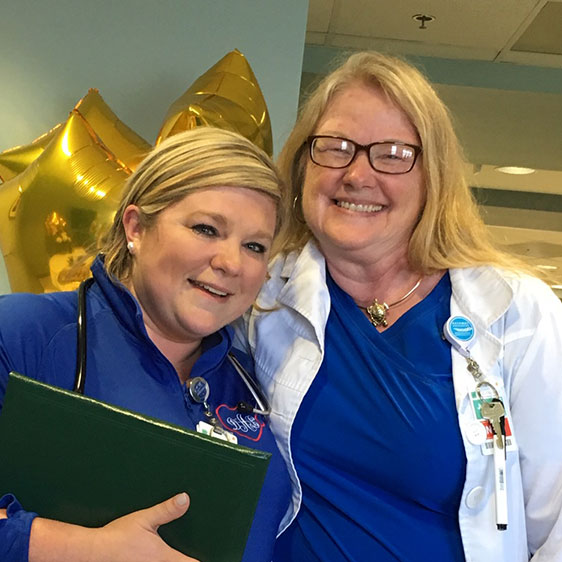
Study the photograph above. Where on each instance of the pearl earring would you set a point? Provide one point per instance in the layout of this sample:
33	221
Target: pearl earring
130	246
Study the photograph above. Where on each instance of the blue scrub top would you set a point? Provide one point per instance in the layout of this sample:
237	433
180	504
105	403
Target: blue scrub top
376	442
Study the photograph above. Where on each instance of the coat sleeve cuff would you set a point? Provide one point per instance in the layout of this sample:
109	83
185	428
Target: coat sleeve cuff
15	530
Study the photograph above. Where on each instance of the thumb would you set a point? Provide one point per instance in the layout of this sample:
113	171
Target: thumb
166	511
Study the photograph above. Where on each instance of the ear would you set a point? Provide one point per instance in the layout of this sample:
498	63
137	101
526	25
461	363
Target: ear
132	224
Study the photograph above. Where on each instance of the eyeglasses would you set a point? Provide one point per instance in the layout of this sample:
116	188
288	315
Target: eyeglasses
392	157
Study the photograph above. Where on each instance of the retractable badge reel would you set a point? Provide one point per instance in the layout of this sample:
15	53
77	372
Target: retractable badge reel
199	392
460	333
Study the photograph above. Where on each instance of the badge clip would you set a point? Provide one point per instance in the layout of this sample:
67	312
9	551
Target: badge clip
459	332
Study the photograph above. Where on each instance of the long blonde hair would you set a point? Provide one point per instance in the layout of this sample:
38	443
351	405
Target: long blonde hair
450	232
199	158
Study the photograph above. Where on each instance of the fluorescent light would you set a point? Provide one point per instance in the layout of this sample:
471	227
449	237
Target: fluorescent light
559	287
515	170
547	267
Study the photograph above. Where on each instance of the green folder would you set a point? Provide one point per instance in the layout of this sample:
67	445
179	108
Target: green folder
79	460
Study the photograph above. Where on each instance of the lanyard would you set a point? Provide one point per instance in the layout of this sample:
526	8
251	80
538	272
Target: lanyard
459	332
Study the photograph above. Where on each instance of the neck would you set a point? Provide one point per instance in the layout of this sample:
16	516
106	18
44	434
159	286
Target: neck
386	278
182	355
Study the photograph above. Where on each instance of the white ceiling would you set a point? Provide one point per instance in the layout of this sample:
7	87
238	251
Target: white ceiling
468	29
506	96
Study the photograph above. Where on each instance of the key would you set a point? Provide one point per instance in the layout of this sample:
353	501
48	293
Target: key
494	412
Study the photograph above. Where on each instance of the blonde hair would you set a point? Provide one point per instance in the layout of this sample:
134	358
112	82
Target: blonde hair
195	159
450	232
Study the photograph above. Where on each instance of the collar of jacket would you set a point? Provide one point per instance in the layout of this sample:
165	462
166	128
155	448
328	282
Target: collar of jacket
482	294
297	281
127	310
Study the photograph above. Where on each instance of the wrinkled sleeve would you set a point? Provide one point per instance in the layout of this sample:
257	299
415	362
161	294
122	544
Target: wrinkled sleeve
535	361
15	530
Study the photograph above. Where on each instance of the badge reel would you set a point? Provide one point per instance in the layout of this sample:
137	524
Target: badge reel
199	392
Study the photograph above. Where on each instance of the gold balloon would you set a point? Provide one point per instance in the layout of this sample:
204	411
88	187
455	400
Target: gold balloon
52	213
128	147
227	96
15	160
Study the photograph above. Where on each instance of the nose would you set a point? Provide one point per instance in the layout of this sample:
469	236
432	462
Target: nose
228	258
360	172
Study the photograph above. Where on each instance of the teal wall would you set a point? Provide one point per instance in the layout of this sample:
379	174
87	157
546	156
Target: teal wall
141	55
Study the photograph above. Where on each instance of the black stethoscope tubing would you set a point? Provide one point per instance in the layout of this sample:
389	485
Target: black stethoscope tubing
263	408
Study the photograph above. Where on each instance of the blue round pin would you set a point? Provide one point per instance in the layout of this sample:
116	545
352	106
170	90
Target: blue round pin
459	332
461	328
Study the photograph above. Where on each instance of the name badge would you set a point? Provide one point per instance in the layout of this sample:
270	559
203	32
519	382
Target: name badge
207	429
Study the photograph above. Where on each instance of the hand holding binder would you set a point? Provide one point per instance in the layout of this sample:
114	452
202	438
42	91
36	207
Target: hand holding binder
131	538
75	459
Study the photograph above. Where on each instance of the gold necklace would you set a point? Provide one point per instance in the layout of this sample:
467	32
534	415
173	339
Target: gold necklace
377	311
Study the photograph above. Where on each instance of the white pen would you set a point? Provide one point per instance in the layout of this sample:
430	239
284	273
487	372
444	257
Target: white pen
500	483
494	411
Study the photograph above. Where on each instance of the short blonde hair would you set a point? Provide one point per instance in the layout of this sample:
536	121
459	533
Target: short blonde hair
450	232
195	159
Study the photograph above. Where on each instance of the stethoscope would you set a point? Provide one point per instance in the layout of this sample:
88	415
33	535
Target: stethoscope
262	409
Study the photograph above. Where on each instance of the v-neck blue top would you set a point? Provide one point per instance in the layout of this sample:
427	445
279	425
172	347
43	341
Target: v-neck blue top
376	443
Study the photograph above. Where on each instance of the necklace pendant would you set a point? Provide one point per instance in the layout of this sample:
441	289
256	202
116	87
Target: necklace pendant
377	314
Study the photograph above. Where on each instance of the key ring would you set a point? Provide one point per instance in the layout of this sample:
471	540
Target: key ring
489	385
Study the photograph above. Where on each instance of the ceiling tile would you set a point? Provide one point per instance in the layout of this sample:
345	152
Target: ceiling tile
478	23
319	14
544	33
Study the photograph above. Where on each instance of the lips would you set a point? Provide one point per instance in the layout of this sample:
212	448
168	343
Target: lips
359	207
209	288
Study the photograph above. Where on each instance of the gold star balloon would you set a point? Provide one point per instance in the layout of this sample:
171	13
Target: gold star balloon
15	160
61	191
227	96
53	212
128	147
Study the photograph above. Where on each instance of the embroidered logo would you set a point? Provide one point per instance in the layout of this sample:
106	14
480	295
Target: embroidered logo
243	425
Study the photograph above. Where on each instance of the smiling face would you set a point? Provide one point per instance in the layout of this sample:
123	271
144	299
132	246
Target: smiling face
357	209
203	261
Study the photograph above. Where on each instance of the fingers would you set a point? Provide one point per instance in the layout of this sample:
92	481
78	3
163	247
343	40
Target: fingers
167	511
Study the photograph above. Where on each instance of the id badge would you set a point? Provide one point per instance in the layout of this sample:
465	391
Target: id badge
207	429
480	431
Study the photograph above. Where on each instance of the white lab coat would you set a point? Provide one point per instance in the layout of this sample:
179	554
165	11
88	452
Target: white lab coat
518	346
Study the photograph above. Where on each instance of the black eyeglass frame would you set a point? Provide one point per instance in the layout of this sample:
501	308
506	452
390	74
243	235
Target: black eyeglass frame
364	148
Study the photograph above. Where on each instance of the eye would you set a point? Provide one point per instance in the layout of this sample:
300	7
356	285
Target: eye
391	157
333	146
256	247
205	230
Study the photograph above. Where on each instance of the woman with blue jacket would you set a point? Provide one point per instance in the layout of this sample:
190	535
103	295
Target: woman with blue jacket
186	255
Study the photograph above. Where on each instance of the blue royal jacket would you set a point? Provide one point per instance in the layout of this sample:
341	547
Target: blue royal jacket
38	339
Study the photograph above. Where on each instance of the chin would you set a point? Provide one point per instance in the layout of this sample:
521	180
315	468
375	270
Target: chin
347	242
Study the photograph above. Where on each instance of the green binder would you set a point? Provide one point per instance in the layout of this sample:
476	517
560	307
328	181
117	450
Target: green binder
79	460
